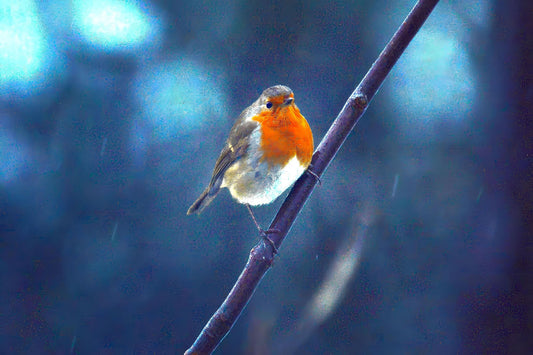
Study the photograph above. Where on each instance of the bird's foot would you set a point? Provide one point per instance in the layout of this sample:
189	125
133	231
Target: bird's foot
264	234
312	173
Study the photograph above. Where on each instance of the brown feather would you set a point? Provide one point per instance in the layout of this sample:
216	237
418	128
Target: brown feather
236	147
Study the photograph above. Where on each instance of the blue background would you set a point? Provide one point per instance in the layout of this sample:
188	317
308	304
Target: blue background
112	114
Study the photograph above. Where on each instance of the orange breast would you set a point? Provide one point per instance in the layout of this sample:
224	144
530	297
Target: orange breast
284	134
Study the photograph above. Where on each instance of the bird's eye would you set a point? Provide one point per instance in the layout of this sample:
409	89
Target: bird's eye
269	104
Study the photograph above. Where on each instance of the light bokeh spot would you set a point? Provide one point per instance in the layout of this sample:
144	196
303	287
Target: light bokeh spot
23	46
178	96
113	24
434	78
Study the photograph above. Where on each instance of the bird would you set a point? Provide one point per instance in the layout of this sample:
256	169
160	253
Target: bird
268	148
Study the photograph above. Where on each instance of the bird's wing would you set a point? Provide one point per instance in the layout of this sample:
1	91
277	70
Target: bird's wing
236	147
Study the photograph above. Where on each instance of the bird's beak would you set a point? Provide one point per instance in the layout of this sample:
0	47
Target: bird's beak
288	101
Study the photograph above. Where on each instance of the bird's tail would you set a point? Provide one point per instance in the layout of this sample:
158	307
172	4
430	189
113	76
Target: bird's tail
204	200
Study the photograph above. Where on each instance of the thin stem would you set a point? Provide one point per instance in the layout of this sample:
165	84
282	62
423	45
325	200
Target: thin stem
253	217
261	256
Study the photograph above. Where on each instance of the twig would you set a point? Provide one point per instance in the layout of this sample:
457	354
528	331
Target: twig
262	254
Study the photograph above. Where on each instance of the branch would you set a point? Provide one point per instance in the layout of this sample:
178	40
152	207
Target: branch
262	255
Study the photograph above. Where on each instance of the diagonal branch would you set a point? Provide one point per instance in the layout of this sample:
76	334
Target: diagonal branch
262	255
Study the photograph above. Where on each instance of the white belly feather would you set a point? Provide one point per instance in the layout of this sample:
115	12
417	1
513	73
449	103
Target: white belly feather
253	182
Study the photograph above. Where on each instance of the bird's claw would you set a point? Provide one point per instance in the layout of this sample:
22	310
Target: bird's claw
264	234
311	172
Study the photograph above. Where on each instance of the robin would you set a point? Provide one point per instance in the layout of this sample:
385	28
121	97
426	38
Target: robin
268	148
